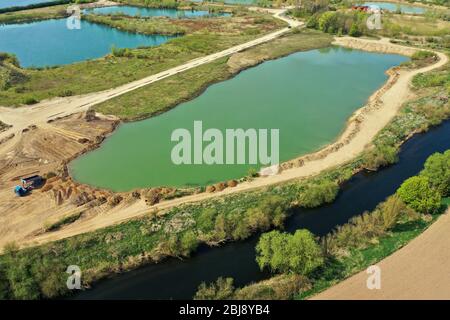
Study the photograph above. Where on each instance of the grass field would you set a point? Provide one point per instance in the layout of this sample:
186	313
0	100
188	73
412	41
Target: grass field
414	25
30	15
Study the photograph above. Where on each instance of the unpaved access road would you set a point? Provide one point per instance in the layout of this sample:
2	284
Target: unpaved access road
21	118
418	271
389	101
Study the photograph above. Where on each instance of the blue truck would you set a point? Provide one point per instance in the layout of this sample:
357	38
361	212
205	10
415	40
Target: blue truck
28	183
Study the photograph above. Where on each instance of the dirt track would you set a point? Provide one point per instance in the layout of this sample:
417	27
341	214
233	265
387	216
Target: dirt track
46	110
420	270
388	101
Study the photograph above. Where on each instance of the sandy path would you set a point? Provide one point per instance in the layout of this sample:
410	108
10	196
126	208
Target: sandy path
420	270
389	102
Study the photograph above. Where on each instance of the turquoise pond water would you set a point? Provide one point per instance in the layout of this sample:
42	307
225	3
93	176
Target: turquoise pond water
153	12
308	96
243	2
390	6
51	42
19	3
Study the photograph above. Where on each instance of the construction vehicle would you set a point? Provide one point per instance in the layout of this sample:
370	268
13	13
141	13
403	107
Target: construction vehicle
28	184
21	191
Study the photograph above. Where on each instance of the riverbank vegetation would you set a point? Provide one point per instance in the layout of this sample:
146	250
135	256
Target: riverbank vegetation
33	15
350	248
149	26
208	35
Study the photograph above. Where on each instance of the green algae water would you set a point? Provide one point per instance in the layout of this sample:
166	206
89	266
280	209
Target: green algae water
308	96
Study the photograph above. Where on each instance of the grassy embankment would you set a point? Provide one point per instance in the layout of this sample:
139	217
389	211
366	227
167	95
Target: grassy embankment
208	35
158	97
149	26
39	272
32	15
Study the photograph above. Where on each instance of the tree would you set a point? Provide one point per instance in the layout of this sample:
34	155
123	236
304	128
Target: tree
328	22
419	195
283	252
437	170
354	31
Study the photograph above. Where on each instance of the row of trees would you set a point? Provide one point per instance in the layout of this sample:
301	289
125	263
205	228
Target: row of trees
336	22
423	193
300	253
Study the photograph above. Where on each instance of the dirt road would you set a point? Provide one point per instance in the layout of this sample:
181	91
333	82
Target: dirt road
420	270
389	99
21	118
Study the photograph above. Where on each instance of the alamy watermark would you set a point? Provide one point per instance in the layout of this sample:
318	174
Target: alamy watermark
373	22
374	280
73	22
74	280
236	146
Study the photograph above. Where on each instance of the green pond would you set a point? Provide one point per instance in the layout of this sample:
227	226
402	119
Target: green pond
308	96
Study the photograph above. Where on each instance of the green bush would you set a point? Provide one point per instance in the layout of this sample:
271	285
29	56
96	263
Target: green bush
419	195
284	253
422	54
380	156
220	290
437	170
316	194
30	100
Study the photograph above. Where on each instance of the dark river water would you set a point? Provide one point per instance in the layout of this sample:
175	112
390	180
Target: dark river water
176	279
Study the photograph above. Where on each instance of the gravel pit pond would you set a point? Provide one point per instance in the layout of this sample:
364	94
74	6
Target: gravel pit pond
51	42
308	96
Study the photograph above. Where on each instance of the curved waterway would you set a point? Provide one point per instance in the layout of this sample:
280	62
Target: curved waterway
175	279
62	45
308	96
153	12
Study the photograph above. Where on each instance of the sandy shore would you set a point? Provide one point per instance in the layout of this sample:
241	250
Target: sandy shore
418	271
362	128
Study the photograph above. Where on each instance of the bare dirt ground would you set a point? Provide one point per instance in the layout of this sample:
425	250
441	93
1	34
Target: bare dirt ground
21	221
418	271
40	150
